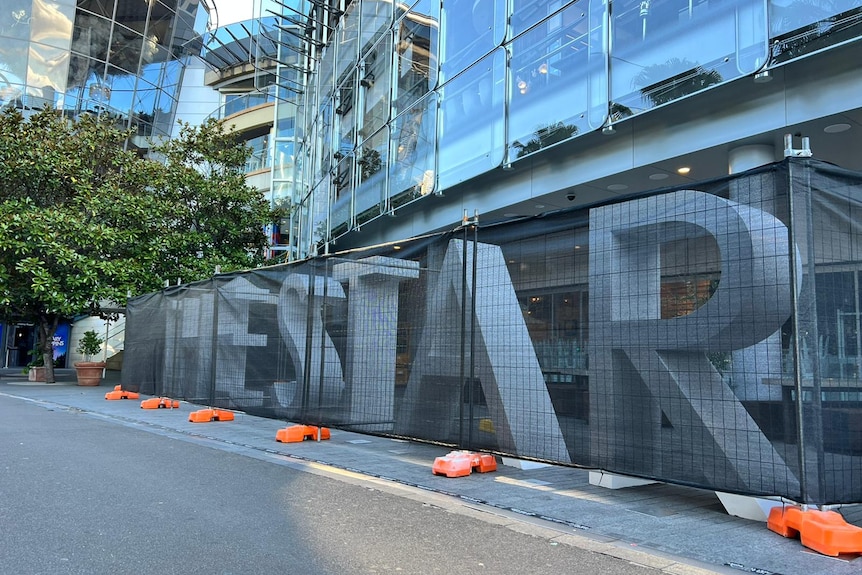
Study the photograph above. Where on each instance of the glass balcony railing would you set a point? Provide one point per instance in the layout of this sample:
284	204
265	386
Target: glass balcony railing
236	103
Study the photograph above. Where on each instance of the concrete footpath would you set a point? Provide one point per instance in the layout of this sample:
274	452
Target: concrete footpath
677	530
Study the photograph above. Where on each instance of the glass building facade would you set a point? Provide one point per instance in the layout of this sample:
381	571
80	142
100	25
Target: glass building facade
119	57
408	100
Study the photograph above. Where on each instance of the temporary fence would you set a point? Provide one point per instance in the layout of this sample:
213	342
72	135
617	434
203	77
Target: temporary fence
707	336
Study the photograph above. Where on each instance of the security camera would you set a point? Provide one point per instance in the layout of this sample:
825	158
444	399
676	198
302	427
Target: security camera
571	197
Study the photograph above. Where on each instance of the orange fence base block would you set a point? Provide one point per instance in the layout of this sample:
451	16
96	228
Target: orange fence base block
823	531
207	415
119	393
160	403
462	463
297	433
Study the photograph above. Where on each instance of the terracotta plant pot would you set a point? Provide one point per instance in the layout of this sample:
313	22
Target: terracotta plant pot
89	372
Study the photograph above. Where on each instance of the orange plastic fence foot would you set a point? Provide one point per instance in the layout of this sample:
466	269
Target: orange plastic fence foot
823	531
463	463
297	433
160	403
207	415
119	393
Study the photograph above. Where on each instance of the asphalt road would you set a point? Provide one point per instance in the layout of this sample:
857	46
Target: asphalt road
80	494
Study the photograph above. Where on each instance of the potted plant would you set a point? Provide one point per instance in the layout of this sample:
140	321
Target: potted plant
89	372
36	368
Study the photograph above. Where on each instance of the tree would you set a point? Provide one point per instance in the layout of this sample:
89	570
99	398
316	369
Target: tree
85	220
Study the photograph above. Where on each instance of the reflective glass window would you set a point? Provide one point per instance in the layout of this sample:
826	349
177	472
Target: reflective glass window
413	160
324	132
48	67
668	49
126	49
416	57
284	159
471	132
375	19
160	28
347	42
799	28
50	23
342	185
528	13
91	35
104	8
375	83
372	169
319	207
13	70
418	7
119	91
326	71
471	30
345	116
16	19
555	73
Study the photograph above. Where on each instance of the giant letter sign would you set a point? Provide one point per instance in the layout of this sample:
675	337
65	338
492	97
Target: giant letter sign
643	367
505	362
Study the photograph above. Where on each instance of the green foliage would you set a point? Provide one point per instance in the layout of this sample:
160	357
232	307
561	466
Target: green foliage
90	344
84	219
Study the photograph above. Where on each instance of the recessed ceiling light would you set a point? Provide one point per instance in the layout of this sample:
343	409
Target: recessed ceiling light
836	128
540	206
658	176
683	170
510	215
617	187
396	247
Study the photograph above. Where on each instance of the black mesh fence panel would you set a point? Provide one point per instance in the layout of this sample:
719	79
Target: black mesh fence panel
706	336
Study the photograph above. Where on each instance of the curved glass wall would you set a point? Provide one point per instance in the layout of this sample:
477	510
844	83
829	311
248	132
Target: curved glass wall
119	57
410	99
668	49
558	75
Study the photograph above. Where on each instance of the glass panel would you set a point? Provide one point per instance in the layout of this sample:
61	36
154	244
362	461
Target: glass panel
342	186
412	168
16	19
799	28
51	24
91	35
284	156
668	49
528	13
13	71
550	82
103	8
319	212
471	121
46	75
416	57
345	116
118	91
126	47
326	71
418	7
325	133
372	169
376	83
375	19
260	154
347	42
471	30
161	27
